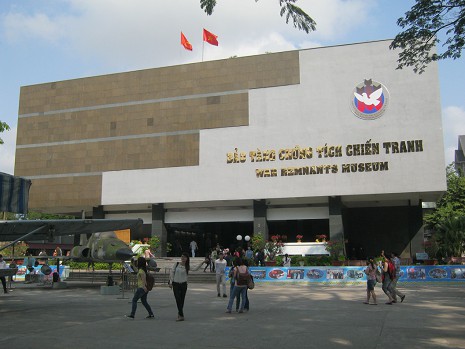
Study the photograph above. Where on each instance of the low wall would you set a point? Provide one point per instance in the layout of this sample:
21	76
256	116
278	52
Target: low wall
22	272
351	275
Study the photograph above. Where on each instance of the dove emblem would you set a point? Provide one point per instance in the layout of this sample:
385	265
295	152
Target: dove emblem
369	99
372	100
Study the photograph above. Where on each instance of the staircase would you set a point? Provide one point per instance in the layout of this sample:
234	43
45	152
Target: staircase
100	277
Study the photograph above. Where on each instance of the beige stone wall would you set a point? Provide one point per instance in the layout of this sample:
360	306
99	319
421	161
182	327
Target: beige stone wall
190	79
134	120
150	152
66	194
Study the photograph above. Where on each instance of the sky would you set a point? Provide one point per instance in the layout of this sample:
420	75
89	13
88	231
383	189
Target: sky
53	40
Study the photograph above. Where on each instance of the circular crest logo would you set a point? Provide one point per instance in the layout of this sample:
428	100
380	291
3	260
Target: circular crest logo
369	100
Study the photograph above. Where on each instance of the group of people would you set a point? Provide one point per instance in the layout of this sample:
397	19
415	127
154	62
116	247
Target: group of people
178	283
387	272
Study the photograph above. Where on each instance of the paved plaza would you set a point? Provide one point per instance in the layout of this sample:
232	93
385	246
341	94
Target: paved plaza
281	316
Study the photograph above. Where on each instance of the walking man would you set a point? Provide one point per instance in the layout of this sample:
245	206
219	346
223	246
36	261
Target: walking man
220	266
395	292
193	246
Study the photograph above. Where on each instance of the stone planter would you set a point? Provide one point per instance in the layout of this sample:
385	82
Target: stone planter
337	263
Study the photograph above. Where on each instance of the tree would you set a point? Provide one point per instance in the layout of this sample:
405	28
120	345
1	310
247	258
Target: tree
301	20
448	219
450	237
452	203
422	24
3	127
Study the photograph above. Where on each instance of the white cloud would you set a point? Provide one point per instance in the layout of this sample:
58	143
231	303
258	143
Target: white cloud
337	18
125	35
19	26
120	35
453	119
7	151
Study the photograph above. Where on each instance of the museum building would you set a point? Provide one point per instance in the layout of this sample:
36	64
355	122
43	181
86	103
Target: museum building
330	140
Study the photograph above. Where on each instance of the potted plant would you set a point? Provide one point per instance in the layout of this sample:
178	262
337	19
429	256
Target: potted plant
299	237
320	238
273	248
301	260
336	250
258	241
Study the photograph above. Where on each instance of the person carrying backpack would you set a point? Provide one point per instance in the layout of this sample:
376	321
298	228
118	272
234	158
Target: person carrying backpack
241	276
141	292
388	275
395	259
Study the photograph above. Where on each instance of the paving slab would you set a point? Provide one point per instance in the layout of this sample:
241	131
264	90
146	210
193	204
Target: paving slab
281	316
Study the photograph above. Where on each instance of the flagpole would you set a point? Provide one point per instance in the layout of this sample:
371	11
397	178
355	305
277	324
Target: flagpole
203	45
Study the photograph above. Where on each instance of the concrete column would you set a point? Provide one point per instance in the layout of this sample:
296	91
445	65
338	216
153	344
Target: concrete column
416	232
260	225
336	227
158	226
98	213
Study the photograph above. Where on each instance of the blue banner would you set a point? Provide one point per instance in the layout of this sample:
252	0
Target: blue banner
14	193
332	274
22	271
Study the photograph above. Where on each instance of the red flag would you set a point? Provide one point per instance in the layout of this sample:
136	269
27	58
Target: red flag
210	37
187	45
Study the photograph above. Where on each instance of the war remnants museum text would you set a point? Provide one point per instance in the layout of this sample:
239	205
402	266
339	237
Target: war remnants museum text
326	151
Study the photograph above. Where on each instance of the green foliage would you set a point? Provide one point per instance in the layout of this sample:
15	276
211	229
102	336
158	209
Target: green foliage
452	203
450	237
448	219
19	249
250	261
33	215
310	260
422	24
154	242
432	247
83	265
273	248
335	249
39	215
300	18
3	127
258	241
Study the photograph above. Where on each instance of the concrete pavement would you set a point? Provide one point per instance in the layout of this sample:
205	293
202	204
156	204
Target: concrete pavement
281	316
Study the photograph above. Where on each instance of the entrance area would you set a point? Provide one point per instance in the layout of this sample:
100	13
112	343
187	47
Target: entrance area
309	228
206	235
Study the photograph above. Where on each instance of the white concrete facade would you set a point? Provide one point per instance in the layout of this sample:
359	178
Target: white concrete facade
313	114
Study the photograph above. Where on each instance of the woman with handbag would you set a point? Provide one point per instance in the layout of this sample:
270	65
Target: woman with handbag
178	282
370	271
142	290
241	275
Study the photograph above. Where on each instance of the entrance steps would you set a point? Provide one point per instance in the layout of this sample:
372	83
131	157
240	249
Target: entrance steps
196	274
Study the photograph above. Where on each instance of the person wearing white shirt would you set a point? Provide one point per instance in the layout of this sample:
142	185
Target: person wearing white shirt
3	265
178	282
193	246
220	267
287	260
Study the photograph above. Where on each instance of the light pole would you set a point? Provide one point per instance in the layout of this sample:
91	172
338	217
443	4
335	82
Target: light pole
239	240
